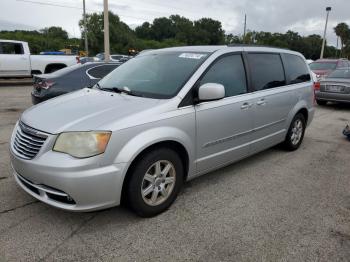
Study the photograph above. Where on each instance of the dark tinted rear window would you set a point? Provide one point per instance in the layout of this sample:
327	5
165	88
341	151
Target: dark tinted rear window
296	69
101	71
267	70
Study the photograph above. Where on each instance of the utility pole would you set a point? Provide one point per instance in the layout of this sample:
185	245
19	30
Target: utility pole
328	9
106	30
85	30
336	51
245	27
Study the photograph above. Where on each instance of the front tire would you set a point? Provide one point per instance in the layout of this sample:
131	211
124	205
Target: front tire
156	179
295	133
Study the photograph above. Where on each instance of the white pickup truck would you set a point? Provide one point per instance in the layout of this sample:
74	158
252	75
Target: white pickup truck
16	60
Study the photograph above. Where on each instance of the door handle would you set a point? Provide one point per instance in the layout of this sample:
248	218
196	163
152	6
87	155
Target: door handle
246	105
261	102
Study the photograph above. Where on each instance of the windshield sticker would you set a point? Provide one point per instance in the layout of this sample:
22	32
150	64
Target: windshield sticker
191	55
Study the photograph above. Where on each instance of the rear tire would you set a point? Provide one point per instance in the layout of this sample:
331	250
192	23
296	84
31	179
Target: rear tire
156	179
295	133
321	102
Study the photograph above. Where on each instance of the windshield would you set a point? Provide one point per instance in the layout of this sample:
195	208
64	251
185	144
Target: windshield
340	73
323	66
160	75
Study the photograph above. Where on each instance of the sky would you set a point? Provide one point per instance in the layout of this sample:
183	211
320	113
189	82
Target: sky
303	16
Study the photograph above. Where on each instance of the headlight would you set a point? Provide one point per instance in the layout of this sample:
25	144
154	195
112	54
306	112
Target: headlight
82	144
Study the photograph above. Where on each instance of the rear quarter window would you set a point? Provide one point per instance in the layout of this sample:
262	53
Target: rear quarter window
296	69
101	71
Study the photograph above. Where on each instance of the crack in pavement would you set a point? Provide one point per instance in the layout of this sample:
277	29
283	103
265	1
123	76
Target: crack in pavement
73	233
12	209
3	177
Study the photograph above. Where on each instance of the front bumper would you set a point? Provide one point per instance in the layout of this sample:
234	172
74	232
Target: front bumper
69	183
334	97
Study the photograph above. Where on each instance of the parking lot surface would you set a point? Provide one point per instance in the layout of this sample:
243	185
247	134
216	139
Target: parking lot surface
274	206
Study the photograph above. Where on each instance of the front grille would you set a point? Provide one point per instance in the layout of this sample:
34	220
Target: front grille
28	141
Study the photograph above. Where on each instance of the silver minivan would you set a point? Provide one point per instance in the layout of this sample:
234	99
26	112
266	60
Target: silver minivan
162	118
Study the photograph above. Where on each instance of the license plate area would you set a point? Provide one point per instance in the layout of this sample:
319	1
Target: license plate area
335	89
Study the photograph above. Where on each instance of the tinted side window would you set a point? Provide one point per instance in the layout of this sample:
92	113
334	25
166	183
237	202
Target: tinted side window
101	71
267	71
11	48
228	71
296	69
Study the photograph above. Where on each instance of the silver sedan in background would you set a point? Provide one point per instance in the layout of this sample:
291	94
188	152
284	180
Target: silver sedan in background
334	88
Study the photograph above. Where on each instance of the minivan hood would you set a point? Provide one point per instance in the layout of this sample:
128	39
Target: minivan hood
84	110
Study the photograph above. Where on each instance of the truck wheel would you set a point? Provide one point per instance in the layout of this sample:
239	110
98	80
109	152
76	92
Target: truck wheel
295	133
155	182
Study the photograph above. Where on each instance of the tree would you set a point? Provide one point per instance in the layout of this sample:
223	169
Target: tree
343	32
121	36
144	31
208	32
184	28
162	28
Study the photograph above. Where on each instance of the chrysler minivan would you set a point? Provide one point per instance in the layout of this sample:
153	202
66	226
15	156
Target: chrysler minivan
158	120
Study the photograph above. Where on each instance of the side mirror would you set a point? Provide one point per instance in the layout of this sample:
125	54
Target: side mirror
211	91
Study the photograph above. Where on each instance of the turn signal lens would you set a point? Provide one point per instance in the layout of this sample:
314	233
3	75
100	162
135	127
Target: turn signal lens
82	144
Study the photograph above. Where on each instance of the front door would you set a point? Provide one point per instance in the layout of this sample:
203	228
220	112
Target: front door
223	127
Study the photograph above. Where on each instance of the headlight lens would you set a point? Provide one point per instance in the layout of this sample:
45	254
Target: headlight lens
82	144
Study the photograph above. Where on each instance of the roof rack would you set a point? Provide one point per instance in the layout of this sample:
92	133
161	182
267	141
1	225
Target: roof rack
254	45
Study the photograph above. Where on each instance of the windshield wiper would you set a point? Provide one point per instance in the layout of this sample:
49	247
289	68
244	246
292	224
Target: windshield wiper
124	90
119	90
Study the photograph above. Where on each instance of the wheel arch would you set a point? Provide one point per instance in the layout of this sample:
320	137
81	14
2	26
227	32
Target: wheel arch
300	107
54	65
178	143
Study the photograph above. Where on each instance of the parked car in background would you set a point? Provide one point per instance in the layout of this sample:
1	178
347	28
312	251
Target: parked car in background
114	57
323	67
335	87
16	60
85	59
120	58
309	61
163	117
69	79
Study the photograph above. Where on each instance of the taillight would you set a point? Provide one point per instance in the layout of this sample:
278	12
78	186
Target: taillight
317	86
78	59
46	84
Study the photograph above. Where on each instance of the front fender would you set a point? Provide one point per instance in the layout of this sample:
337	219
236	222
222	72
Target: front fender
149	137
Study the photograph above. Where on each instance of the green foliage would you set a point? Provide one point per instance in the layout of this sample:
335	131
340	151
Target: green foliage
121	36
47	39
343	32
205	31
174	30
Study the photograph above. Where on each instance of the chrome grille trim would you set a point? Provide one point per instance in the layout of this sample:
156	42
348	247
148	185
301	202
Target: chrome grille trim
28	141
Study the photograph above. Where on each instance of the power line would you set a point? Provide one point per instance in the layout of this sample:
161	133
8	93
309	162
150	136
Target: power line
74	7
120	14
49	4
